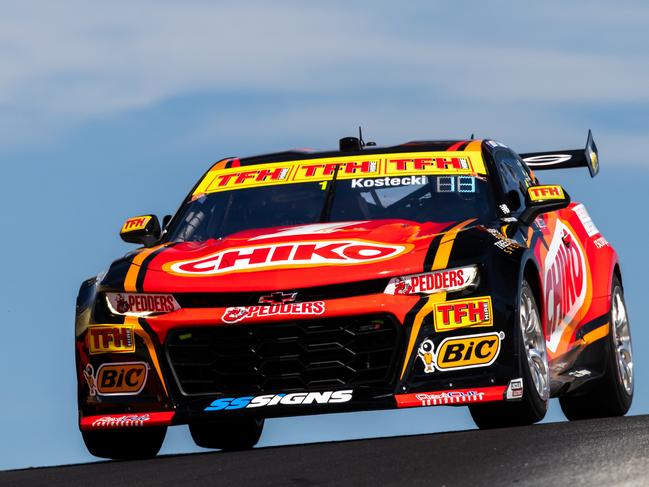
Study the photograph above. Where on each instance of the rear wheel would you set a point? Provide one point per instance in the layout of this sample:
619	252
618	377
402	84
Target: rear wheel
535	372
612	394
125	444
228	434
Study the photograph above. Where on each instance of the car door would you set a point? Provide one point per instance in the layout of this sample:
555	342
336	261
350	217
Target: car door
558	240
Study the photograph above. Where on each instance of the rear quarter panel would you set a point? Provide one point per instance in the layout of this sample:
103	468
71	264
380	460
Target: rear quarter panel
576	267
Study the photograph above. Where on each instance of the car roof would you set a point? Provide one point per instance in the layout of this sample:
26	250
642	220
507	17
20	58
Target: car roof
226	169
417	145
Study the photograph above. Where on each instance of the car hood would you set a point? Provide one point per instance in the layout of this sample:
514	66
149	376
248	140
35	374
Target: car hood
291	257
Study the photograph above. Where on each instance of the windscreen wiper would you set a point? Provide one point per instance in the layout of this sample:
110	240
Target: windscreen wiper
325	214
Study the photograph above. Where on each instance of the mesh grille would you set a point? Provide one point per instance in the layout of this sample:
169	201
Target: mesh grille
285	357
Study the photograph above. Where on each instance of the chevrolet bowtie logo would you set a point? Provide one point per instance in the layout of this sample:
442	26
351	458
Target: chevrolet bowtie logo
278	298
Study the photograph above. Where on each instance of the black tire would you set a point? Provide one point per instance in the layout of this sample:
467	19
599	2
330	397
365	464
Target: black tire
532	407
228	434
606	396
125	444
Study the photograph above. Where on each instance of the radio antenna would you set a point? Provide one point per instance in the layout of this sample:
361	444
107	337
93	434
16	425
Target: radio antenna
360	136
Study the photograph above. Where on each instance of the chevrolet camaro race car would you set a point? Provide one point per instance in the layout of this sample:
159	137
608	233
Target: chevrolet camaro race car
425	274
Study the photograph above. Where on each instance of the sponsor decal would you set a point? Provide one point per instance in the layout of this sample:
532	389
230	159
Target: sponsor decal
250	177
134	304
463	313
585	219
565	283
580	373
135	223
433	282
460	352
257	175
546	193
388	182
601	242
294	399
127	420
288	255
121	421
364	167
469	351
239	313
89	374
116	379
431	165
325	168
451	397
426	353
547	160
111	339
505	244
514	389
504	209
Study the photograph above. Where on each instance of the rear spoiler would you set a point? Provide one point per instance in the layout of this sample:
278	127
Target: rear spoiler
587	157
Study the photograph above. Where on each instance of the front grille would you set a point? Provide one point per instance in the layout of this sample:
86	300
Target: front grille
285	357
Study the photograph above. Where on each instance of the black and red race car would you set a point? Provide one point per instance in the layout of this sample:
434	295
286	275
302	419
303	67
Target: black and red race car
424	274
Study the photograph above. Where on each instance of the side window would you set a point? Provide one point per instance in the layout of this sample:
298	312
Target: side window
515	179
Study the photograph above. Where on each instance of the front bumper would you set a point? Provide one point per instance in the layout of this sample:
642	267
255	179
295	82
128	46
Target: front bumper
196	366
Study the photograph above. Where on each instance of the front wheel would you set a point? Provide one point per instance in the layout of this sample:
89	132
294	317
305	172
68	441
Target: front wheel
228	434
612	394
536	377
125	444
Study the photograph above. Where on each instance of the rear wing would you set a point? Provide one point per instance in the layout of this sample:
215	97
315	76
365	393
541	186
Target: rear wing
587	157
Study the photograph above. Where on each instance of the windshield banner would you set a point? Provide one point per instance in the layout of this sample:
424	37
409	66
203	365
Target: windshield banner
322	170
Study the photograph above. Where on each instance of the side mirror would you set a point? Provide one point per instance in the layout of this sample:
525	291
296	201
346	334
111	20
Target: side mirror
143	230
543	199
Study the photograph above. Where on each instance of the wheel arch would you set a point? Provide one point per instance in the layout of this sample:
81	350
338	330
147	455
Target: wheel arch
532	275
617	272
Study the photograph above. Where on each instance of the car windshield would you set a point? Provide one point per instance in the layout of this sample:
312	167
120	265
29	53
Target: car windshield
421	199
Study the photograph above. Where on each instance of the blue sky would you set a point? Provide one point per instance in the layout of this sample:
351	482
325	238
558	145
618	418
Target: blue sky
114	109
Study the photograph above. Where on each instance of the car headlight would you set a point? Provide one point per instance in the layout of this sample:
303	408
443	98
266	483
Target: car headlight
139	304
448	280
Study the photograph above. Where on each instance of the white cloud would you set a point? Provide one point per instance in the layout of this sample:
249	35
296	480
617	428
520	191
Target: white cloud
63	66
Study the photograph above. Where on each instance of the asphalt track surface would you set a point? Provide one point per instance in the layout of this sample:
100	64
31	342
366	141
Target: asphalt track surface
595	452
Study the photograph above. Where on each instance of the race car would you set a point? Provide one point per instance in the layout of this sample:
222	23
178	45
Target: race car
424	274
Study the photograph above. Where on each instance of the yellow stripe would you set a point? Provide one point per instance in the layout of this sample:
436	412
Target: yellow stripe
131	275
476	145
419	319
530	235
130	286
446	245
596	334
132	320
441	261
